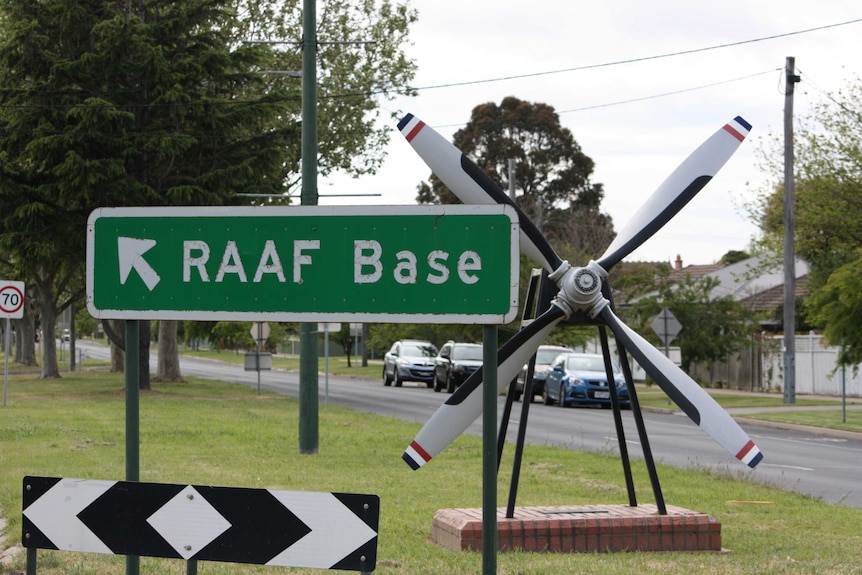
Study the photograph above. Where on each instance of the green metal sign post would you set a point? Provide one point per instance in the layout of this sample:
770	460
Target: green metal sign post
409	264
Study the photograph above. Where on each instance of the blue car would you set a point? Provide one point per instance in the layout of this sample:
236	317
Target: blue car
580	378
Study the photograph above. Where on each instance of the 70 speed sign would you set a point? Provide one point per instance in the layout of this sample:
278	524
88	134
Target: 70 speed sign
11	299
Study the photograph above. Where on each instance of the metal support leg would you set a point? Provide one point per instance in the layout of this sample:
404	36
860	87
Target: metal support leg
642	434
618	418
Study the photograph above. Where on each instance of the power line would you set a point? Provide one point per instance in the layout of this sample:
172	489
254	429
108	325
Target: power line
650	97
664	94
643	58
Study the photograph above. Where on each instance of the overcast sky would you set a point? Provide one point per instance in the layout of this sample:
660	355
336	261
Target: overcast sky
540	45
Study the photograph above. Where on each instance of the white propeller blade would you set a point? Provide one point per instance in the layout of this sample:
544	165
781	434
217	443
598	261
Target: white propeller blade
700	407
471	185
463	407
677	190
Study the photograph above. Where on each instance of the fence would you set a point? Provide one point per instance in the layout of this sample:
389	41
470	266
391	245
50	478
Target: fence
760	367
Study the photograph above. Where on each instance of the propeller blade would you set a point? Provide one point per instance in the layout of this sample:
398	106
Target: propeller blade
677	190
700	407
472	185
463	407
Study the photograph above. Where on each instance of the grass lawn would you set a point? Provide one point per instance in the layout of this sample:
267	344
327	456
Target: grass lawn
655	397
337	365
833	419
205	432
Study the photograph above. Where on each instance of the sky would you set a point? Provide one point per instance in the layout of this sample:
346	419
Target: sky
638	120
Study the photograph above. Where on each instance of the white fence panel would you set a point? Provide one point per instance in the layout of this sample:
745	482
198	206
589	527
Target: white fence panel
817	370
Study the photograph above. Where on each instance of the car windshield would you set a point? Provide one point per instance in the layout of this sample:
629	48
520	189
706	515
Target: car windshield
546	356
467	352
587	363
411	350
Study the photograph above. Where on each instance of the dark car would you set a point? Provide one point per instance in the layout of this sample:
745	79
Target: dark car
580	378
409	360
544	356
455	363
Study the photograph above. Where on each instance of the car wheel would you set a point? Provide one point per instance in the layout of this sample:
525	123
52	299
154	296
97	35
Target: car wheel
429	384
450	383
562	395
387	381
438	385
398	381
546	398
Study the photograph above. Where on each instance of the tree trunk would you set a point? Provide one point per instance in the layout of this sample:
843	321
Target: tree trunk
50	368
115	329
363	347
168	366
144	360
25	351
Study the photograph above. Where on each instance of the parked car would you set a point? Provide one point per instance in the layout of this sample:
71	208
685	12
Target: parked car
544	356
409	360
580	378
455	363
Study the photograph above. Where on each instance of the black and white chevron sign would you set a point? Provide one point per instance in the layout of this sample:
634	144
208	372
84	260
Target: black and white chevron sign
205	523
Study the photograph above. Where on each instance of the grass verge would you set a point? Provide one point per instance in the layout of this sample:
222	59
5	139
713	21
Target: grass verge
205	432
833	419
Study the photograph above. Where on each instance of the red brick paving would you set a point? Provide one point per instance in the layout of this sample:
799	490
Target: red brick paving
582	528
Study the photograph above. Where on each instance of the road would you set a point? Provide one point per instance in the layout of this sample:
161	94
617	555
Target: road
827	466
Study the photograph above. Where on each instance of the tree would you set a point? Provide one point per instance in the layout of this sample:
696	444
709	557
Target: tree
156	102
233	335
828	200
837	305
552	173
345	339
713	327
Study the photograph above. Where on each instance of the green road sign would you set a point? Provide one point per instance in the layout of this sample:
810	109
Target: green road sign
405	264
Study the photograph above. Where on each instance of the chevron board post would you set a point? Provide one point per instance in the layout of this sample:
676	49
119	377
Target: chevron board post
202	523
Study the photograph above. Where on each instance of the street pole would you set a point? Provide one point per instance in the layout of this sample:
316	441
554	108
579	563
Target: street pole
308	353
6	365
789	252
489	450
259	339
133	417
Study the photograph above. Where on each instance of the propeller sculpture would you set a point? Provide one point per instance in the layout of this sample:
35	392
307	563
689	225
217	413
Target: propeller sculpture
581	290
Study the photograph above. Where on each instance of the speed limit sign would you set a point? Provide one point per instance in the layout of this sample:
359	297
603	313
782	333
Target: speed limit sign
12	299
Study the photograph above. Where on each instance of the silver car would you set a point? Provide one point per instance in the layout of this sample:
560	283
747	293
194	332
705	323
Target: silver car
544	357
409	360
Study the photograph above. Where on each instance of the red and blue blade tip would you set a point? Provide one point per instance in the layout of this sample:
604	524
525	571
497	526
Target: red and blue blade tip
750	455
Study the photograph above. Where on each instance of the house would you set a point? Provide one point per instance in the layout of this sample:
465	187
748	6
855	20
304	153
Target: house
757	283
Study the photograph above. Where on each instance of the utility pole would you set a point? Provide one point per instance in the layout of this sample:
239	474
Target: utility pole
308	353
789	230
512	178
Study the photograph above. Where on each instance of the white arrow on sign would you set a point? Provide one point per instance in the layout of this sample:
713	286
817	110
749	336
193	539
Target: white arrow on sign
335	530
131	253
56	514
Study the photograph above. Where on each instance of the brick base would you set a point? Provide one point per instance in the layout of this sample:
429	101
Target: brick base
582	528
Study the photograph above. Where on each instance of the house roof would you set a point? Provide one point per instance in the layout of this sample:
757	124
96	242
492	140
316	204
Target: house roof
758	282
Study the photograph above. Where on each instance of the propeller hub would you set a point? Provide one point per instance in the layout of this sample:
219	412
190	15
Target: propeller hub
586	281
581	288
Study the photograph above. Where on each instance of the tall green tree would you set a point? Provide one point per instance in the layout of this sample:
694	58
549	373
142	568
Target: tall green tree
552	178
828	201
156	102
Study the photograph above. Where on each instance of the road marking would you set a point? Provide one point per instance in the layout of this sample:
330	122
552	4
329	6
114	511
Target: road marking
798	468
